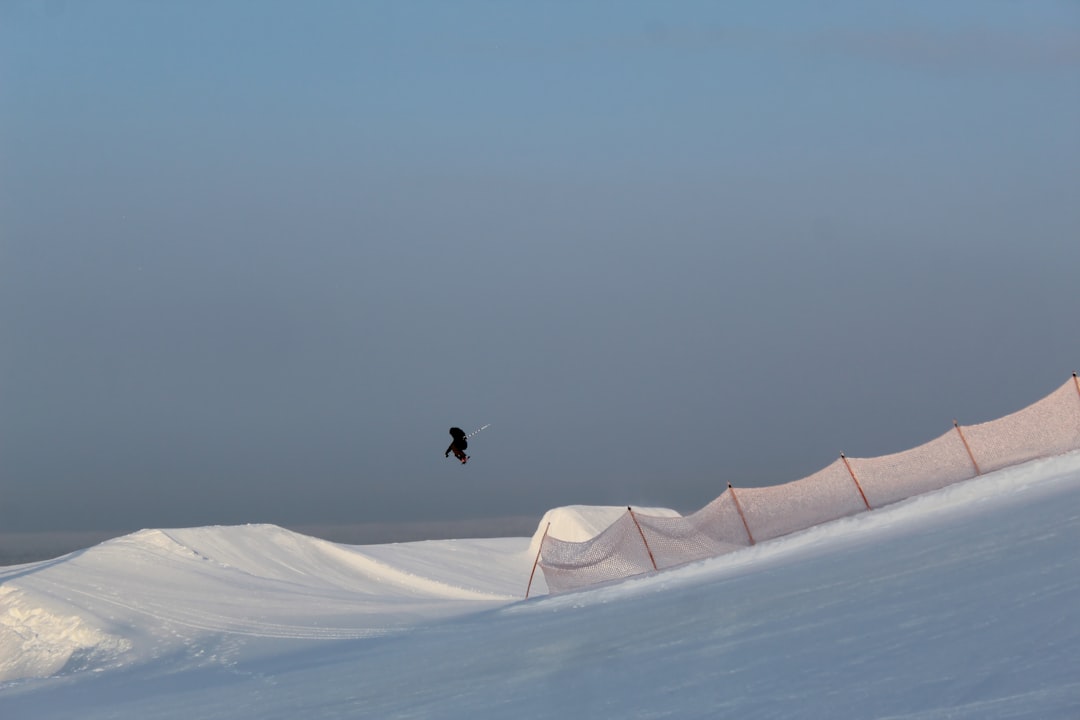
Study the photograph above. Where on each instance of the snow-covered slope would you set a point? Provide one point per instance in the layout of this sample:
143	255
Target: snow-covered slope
957	604
158	592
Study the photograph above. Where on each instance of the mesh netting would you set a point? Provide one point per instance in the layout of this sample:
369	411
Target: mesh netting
711	531
931	466
826	495
1048	427
617	552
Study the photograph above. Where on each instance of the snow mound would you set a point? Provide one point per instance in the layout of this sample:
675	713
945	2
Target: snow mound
161	592
276	555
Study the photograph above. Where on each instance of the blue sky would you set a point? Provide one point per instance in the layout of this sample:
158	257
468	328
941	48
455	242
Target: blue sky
257	257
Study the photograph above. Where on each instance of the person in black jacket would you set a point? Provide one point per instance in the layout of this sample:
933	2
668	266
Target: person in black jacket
458	445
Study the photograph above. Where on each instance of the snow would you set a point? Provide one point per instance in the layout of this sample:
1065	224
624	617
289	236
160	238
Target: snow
956	604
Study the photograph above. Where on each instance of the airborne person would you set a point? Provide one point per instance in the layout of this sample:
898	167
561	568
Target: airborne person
460	442
458	445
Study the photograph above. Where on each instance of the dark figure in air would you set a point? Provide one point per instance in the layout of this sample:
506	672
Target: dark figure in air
458	445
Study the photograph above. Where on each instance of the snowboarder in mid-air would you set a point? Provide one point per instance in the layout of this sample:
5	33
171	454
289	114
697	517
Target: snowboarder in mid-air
458	445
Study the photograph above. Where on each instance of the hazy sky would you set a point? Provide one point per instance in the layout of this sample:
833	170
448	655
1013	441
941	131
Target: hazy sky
257	257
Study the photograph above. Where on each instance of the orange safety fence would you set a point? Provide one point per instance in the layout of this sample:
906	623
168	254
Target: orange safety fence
637	543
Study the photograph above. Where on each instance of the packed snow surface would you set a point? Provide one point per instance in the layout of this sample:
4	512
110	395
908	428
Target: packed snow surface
961	603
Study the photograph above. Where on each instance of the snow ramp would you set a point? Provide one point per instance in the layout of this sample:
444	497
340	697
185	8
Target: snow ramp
156	592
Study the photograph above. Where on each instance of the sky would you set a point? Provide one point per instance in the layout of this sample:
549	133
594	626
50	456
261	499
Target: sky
268	253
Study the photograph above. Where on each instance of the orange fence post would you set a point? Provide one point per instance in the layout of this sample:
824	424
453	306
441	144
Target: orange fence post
537	560
739	508
967	447
1077	381
857	484
640	532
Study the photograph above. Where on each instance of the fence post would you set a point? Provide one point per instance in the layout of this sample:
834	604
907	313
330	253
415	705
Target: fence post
739	508
642	534
1077	381
537	560
857	484
967	447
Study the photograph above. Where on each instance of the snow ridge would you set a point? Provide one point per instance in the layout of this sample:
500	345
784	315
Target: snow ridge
136	596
